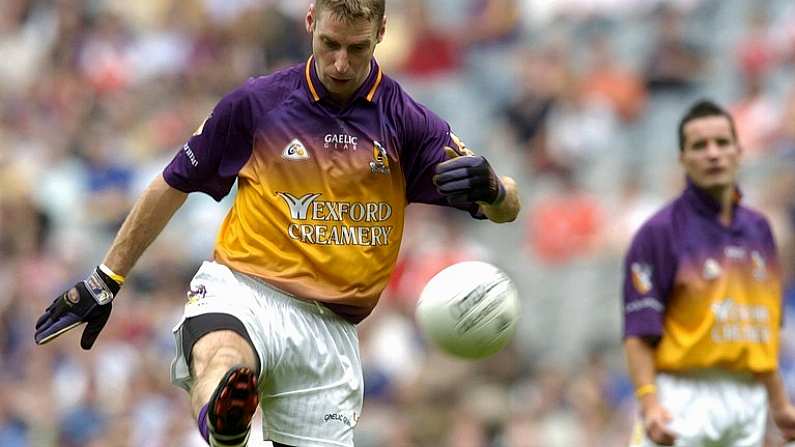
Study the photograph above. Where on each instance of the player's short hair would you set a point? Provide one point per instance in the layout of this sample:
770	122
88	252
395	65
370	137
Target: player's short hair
350	10
701	109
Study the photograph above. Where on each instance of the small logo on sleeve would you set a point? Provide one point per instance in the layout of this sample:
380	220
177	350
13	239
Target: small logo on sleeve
641	277
295	151
191	155
648	302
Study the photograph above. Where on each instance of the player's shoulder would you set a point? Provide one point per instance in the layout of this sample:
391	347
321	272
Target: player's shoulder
751	215
274	86
259	95
394	95
657	231
662	220
407	113
390	87
753	219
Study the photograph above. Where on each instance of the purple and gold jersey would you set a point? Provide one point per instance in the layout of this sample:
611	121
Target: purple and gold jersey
321	189
712	294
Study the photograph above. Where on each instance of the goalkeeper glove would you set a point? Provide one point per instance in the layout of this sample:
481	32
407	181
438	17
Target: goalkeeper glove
466	179
89	301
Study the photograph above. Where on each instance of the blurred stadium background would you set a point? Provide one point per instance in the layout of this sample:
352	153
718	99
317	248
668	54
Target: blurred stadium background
577	99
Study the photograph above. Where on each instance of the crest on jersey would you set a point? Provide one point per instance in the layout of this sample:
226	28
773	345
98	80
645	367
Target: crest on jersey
380	163
641	277
295	151
712	269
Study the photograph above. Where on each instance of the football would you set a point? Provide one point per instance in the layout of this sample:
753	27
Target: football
469	309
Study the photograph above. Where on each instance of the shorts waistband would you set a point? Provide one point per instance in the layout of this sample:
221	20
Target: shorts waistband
307	304
712	374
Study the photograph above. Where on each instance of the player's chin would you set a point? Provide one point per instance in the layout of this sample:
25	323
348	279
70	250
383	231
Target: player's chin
716	182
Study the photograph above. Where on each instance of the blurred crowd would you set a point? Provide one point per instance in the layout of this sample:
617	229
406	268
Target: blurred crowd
578	100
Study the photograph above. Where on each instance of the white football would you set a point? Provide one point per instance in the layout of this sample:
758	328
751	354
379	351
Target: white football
469	309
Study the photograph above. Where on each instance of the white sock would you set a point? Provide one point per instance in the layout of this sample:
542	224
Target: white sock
218	440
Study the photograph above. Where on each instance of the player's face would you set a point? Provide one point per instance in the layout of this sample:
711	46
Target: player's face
343	50
711	154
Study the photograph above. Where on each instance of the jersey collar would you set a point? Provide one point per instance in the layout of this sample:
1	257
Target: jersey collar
367	91
703	202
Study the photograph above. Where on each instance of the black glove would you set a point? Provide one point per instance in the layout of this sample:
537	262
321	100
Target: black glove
89	301
467	179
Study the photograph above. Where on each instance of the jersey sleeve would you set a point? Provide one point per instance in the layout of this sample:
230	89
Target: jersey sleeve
770	247
649	271
771	253
211	159
424	137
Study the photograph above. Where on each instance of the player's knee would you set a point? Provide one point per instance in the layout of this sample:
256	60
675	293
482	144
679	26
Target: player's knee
221	348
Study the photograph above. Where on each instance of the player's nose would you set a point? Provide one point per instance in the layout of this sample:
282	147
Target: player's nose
341	63
713	149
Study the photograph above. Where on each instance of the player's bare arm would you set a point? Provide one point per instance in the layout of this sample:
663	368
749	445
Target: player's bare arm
90	300
149	216
508	209
467	178
781	409
640	363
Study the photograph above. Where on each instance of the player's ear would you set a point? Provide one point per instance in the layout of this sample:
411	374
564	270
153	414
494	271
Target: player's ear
381	30
311	18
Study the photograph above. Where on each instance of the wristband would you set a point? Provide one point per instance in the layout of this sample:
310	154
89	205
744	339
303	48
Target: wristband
501	193
114	276
645	390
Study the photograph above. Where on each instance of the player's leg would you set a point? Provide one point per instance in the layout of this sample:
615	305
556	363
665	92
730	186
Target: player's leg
314	392
220	352
224	369
212	357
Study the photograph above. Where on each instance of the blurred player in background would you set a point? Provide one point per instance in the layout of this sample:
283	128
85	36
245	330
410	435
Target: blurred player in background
326	155
702	305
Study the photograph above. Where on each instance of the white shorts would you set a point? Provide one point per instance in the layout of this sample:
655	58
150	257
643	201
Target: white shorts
310	384
711	408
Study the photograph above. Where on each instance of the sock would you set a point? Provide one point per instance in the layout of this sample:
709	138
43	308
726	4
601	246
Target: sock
229	441
204	428
213	440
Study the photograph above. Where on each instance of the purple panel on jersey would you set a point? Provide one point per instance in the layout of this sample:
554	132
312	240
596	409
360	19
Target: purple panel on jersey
649	271
211	159
684	233
420	133
421	128
424	136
